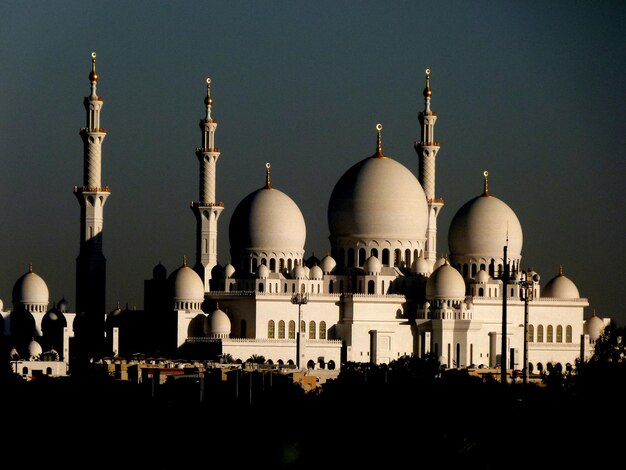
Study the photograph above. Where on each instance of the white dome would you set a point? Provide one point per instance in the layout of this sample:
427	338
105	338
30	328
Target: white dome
378	198
328	264
229	270
34	350
299	273
594	327
445	283
482	276
316	273
372	265
560	287
263	271
30	288
186	284
267	220
480	229
421	266
219	323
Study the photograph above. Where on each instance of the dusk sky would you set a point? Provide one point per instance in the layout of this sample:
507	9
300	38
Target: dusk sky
532	91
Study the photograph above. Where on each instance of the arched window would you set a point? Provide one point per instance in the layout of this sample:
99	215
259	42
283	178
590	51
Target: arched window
260	287
270	329
407	257
481	292
322	329
397	257
474	269
24	370
273	264
310	364
540	334
371	286
549	334
331	365
330	287
281	329
302	326
361	256
285	289
374	252
312	329
568	334
531	333
292	329
559	334
48	370
385	259
254	264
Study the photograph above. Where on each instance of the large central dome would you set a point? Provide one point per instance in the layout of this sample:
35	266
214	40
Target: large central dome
378	198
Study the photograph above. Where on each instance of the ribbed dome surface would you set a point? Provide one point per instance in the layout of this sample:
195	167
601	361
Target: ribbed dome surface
267	220
445	283
378	198
480	229
219	323
328	263
30	288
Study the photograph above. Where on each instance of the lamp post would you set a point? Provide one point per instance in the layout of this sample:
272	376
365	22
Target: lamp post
526	294
299	299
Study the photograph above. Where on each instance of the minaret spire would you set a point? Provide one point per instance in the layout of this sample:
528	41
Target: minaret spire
379	142
207	210
427	148
267	176
92	196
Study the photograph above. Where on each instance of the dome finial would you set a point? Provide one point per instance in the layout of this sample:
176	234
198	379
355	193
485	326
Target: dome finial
30	267
379	141
184	260
561	270
267	176
486	184
427	91
93	76
208	100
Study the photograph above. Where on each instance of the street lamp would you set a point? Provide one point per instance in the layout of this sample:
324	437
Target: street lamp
299	299
526	294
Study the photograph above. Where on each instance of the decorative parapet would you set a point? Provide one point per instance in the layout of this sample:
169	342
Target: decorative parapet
207	204
91	189
277	342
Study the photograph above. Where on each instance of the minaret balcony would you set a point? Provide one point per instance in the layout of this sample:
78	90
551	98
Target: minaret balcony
208	149
89	189
85	130
207	204
434	143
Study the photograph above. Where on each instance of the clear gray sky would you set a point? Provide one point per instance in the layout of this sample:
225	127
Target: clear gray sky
532	91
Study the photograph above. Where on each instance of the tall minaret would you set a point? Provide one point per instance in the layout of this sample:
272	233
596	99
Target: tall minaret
427	149
207	209
91	263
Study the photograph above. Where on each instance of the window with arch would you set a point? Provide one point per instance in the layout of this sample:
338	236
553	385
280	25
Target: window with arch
302	326
530	333
273	264
312	330
281	329
397	257
481	292
270	329
361	256
261	287
48	370
374	252
540	334
385	259
322	329
568	334
371	287
255	264
559	334
285	289
330	287
549	334
407	257
292	329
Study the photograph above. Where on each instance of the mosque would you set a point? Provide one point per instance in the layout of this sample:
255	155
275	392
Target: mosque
381	293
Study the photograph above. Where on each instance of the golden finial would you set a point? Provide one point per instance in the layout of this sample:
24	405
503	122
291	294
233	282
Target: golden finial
184	260
379	141
427	92
486	183
93	76
208	100
267	176
561	270
30	267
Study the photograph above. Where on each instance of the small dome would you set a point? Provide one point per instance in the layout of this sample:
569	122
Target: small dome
53	316
30	288
34	350
219	323
316	273
420	265
262	272
63	305
440	262
372	265
299	273
159	272
229	270
328	263
594	327
186	284
445	283
560	287
482	276
312	261
482	227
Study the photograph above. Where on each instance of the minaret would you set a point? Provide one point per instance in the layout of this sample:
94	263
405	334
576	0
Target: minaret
91	263
207	209
427	149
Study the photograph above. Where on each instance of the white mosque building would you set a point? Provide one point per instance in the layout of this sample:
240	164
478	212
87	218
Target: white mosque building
382	293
